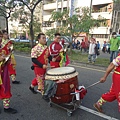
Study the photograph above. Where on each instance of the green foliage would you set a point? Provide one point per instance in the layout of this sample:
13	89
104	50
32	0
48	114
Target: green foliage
6	8
83	58
26	15
116	1
79	22
22	47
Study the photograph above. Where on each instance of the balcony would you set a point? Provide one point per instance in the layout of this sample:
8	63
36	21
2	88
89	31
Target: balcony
106	15
50	6
99	2
100	30
53	6
46	17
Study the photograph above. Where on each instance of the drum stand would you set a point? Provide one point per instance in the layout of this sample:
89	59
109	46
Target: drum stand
72	106
69	107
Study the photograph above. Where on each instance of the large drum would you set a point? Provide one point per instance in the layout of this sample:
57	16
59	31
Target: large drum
67	82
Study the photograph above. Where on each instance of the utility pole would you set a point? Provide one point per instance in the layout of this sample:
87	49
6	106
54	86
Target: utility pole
56	22
91	7
62	2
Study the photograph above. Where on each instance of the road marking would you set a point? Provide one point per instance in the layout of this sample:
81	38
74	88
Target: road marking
22	56
72	65
89	68
98	113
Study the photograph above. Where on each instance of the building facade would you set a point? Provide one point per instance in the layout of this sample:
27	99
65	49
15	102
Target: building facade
102	10
56	5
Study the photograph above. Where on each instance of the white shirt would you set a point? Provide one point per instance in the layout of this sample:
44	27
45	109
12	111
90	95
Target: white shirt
92	48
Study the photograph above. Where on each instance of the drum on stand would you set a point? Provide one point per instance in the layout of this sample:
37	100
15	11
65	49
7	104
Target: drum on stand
67	82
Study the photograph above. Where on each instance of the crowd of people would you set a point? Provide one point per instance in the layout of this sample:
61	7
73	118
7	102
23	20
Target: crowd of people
92	47
41	55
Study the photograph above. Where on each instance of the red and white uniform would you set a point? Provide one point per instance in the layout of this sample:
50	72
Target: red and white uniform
54	50
114	93
41	53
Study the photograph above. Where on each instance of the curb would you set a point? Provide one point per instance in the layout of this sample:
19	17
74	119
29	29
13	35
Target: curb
96	66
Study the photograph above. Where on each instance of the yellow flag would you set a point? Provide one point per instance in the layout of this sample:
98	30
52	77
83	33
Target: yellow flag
62	59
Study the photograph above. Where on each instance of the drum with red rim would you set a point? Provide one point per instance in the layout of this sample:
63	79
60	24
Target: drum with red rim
67	82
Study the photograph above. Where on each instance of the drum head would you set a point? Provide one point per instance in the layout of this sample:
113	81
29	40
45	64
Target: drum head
61	73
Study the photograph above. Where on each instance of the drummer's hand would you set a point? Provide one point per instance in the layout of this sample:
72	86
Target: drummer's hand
44	66
62	50
102	80
53	59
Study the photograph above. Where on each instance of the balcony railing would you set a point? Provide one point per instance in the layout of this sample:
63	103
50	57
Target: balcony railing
106	15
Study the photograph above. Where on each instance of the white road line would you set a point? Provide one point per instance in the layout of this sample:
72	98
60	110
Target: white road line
70	65
97	113
22	56
89	68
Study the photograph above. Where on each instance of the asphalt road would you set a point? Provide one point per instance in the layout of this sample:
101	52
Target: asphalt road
33	107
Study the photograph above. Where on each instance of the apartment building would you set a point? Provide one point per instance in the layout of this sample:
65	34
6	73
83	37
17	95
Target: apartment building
48	7
102	10
2	23
56	5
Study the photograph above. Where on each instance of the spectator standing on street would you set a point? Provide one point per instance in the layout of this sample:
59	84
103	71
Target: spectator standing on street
73	45
114	45
104	47
108	48
98	45
83	46
78	44
92	52
114	92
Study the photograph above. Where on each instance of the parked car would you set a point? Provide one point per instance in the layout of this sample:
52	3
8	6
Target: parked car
21	40
12	39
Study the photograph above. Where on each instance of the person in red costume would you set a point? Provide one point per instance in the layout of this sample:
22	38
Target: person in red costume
5	88
12	63
114	93
39	56
54	49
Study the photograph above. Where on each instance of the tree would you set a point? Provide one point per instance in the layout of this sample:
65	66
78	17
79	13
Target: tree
30	5
73	26
80	22
6	8
116	4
